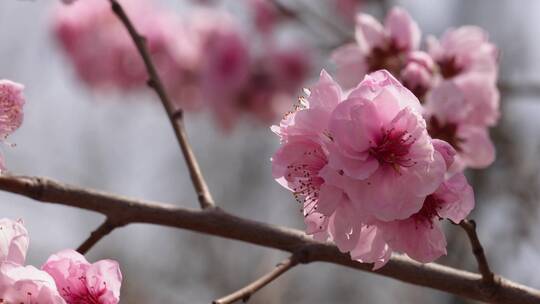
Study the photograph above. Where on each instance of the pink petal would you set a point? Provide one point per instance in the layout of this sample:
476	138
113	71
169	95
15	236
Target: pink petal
402	29
423	242
351	66
326	93
14	241
371	247
369	32
477	150
445	150
458	197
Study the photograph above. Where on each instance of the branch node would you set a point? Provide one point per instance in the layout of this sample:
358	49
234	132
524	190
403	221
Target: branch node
178	114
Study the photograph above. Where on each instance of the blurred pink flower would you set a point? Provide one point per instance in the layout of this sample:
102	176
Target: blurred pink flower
13	241
464	102
462	119
104	54
81	282
380	142
462	50
224	73
377	47
27	284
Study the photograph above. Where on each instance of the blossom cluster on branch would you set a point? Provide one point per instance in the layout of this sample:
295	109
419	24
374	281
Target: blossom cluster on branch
65	278
204	60
455	79
377	166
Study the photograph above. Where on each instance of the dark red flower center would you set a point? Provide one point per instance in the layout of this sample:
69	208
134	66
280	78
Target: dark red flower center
444	131
448	67
429	211
417	89
388	57
84	296
392	149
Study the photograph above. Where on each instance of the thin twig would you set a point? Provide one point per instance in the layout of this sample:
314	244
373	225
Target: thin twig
470	228
96	236
246	292
216	222
175	116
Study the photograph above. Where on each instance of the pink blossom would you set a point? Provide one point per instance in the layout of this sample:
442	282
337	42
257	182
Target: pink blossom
460	119
11	107
226	64
13	241
81	282
27	284
238	82
366	173
302	154
462	50
377	47
104	55
381	144
420	236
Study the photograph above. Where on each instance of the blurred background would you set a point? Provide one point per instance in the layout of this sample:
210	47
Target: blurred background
122	142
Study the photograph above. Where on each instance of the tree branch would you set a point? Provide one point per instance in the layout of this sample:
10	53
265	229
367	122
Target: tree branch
107	227
245	293
216	222
175	116
487	275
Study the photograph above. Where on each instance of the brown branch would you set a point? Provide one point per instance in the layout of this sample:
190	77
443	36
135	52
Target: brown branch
107	227
522	88
216	222
175	116
246	292
487	275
